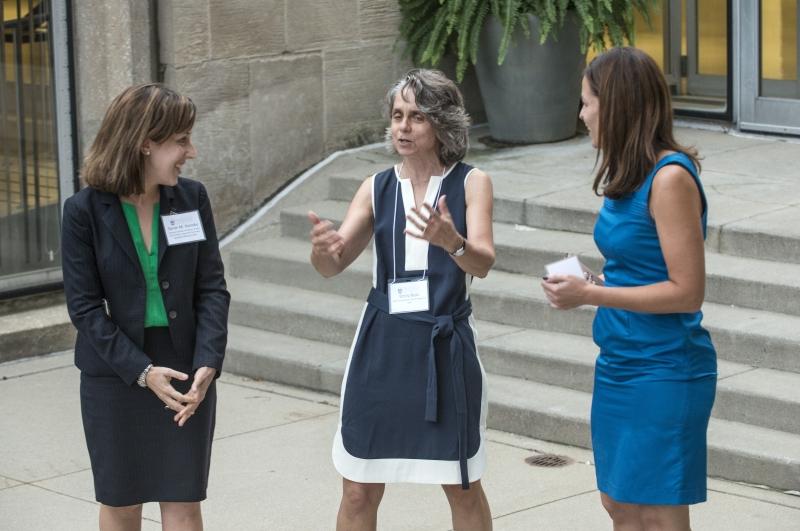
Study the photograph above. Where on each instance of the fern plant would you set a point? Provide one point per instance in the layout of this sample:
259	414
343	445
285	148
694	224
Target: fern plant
432	28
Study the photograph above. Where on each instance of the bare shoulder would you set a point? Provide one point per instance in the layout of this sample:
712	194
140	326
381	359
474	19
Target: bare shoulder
479	176
367	182
673	179
363	197
365	187
674	193
478	182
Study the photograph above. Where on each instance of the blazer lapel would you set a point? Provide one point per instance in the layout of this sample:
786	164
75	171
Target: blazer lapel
115	221
166	208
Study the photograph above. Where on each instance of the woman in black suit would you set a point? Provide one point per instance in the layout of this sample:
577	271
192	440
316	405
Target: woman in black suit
146	291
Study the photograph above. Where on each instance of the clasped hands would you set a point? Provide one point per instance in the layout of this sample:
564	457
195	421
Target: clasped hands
159	379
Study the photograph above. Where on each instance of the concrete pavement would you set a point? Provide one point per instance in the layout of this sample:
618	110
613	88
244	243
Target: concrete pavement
271	468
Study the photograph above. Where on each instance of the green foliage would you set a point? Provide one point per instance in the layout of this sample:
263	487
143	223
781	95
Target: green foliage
432	28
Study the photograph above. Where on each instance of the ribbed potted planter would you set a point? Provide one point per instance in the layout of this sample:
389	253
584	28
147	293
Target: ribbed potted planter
528	54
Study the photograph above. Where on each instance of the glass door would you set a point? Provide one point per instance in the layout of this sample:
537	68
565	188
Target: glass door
35	141
707	52
769	82
690	41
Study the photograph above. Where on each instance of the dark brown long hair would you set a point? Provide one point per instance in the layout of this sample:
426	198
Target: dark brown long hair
635	121
115	162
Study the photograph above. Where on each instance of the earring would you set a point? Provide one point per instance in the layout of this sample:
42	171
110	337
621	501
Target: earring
147	153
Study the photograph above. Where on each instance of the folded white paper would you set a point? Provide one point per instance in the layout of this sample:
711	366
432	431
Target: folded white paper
569	266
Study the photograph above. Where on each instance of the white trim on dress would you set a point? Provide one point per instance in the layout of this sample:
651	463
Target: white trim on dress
431	471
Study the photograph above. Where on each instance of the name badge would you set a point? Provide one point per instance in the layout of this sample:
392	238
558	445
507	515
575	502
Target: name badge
183	228
408	296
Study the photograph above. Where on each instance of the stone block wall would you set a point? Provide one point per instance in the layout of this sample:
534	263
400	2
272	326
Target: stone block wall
113	47
279	84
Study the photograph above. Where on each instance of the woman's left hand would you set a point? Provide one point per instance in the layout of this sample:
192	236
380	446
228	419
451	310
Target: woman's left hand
436	227
566	292
202	379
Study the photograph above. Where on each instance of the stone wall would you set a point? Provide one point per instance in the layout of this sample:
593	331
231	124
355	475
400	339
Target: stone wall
113	47
279	84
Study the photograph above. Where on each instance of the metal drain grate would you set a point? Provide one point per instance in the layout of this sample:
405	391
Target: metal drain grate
549	460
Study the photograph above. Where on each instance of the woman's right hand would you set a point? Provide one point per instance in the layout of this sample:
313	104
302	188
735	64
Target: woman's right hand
325	241
158	380
333	250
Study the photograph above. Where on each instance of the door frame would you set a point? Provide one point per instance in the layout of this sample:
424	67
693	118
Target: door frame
756	112
672	59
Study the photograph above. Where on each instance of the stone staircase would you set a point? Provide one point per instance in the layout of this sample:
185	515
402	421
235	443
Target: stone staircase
34	325
290	325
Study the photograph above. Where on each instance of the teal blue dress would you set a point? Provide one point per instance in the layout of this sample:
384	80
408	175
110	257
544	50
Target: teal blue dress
655	376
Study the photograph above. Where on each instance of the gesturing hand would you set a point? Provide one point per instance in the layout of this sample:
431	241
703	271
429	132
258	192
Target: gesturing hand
324	239
202	379
158	380
436	227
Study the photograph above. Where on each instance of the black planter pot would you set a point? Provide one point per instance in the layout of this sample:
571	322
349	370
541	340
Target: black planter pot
534	95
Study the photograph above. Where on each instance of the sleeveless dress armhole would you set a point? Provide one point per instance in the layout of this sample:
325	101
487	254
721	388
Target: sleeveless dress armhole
679	159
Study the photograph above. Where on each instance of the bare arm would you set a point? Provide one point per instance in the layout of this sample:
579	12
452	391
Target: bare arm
479	256
676	206
331	250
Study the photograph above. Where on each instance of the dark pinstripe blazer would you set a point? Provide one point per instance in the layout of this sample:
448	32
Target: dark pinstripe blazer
100	263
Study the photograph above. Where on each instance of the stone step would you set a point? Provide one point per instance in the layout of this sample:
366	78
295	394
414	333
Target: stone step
507	208
761	397
37	331
732	280
758	396
736	451
745	282
285	359
576	212
751	337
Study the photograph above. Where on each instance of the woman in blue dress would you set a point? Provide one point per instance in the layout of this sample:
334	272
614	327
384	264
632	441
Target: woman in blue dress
413	402
655	377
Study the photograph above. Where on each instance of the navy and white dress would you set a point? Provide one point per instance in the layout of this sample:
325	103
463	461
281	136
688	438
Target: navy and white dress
413	402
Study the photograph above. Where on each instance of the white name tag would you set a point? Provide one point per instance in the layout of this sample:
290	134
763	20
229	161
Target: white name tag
409	296
183	228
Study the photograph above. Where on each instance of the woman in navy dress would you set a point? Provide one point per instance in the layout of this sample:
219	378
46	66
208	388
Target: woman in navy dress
655	377
413	404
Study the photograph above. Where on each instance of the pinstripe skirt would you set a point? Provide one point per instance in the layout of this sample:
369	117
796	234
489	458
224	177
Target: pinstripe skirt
138	453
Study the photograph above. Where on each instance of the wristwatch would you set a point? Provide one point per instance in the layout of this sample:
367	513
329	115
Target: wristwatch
460	251
142	379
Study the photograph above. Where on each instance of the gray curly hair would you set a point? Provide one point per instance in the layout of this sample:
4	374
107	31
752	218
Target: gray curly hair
439	99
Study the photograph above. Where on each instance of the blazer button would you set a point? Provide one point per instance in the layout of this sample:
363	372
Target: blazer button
164	284
173	314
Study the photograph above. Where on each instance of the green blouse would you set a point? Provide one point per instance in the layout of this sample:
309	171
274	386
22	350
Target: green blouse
155	313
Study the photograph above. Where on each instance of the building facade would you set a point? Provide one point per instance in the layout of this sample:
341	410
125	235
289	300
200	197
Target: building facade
280	84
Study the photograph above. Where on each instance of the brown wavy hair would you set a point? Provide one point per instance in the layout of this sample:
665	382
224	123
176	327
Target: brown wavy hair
635	121
115	162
